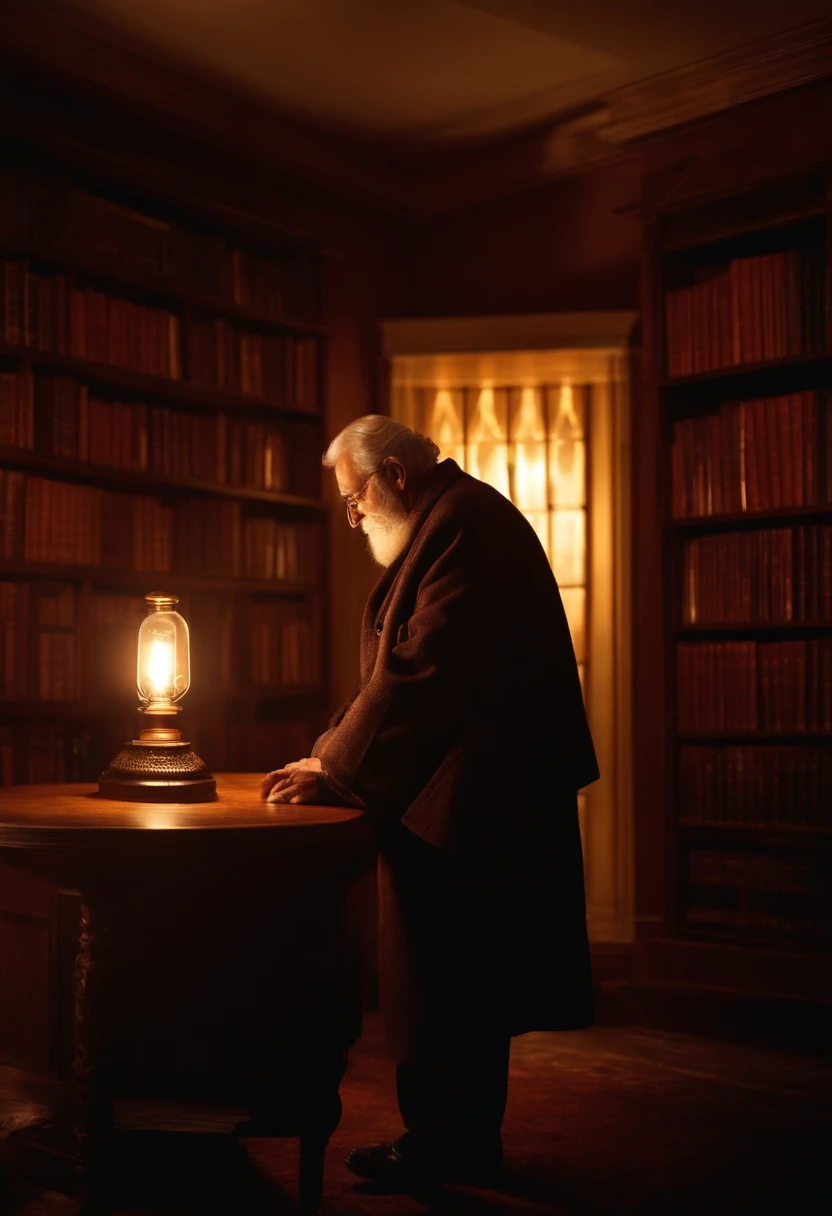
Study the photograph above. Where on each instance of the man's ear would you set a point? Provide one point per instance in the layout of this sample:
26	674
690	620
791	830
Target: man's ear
396	472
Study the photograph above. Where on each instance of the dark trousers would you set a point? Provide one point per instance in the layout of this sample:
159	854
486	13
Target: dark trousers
457	1094
439	995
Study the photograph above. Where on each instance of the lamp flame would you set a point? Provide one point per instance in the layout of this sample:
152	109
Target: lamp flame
160	666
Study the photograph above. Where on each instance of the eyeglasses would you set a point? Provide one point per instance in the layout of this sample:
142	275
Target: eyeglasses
354	516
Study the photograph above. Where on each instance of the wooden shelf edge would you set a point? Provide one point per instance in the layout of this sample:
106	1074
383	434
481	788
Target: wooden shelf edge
66	710
155	483
728	737
748	519
738	370
107	708
728	935
751	627
281	692
719	236
163	289
784	970
782	832
159	387
103	576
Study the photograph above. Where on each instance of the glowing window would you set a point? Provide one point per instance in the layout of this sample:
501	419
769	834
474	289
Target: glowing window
529	442
547	424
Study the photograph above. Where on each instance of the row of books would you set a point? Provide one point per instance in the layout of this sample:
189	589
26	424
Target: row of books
48	521
58	219
17	410
768	306
765	786
213	537
14	631
274	550
38	642
138	530
57	416
55	622
209	537
45	753
245	745
284	639
272	367
250	645
753	456
259	747
749	686
777	575
112	623
74	525
58	675
754	893
44	312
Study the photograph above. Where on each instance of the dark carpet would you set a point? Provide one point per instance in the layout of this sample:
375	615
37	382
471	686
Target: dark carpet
607	1120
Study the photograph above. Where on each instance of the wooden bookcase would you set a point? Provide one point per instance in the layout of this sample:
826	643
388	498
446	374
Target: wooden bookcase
743	348
161	423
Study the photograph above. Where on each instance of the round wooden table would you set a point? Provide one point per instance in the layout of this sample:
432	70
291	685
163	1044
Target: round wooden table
209	933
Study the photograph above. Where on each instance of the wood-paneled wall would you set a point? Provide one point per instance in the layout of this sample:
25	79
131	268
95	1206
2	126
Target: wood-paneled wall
569	246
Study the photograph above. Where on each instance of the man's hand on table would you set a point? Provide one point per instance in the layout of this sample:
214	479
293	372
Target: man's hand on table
299	781
305	781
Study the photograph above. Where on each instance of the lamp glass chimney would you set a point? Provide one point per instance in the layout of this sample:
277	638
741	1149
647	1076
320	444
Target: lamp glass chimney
163	669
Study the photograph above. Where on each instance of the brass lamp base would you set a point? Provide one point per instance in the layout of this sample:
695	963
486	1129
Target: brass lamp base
160	768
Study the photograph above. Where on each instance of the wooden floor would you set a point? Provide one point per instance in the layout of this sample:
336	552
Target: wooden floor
606	1120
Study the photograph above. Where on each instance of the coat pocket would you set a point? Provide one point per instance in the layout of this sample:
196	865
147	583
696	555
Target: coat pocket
431	814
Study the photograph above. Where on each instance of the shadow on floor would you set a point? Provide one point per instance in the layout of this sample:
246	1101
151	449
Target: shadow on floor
607	1120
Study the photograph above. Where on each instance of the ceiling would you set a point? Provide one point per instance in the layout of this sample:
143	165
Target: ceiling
424	77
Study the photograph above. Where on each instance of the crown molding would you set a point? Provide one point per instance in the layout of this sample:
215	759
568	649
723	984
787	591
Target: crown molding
527	350
514	332
747	73
79	50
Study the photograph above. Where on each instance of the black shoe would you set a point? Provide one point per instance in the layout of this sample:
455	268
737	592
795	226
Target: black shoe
407	1163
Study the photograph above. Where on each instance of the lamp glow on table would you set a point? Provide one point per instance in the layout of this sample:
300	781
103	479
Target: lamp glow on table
160	766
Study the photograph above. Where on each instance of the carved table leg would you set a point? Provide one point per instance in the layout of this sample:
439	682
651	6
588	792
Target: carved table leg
320	1119
95	1120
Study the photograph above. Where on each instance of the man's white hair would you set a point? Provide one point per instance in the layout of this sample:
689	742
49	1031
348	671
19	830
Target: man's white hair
370	439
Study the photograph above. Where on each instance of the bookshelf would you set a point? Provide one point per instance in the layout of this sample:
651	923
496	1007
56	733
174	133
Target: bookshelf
743	362
161	424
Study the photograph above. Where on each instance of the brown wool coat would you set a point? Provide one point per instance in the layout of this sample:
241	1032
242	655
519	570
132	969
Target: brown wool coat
467	743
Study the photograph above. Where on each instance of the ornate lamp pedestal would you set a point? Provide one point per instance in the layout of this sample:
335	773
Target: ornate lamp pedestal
159	766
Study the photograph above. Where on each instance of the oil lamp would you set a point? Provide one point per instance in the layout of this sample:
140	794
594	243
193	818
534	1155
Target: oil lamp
160	766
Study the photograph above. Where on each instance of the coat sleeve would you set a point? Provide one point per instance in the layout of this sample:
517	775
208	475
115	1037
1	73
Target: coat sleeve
413	708
336	718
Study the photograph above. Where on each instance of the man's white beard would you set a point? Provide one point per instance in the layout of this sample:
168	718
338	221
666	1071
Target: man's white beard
386	533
